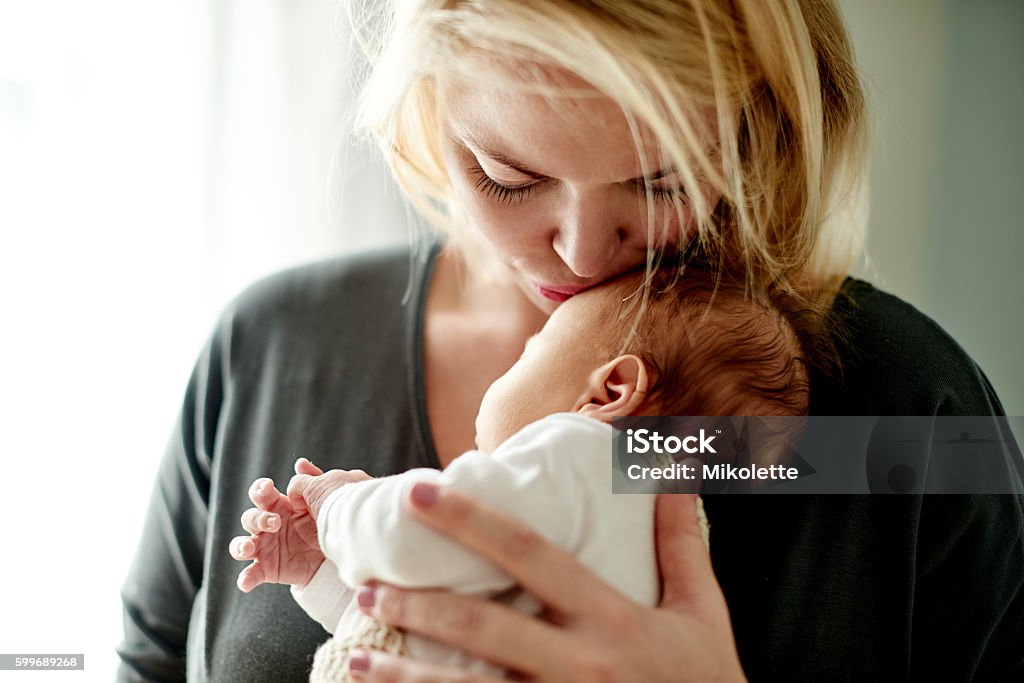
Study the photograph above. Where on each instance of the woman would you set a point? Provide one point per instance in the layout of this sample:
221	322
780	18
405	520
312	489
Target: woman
557	144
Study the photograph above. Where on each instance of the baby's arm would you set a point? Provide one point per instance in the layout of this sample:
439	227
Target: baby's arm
370	534
325	597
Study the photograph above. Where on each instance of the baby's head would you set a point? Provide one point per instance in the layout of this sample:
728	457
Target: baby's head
694	345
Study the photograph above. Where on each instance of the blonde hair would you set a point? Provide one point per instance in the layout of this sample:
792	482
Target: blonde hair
790	156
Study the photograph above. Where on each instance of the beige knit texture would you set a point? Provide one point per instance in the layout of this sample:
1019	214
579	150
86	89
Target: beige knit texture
330	664
703	523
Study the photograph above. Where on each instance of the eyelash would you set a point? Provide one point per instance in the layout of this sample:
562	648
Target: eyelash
508	195
667	193
497	191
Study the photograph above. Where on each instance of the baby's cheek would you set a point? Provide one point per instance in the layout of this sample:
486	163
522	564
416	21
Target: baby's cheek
499	419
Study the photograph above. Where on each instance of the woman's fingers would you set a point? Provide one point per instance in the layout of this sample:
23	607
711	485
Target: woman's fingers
496	632
255	520
549	573
378	667
684	563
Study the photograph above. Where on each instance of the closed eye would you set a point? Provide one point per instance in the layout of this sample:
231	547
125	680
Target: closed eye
660	192
503	194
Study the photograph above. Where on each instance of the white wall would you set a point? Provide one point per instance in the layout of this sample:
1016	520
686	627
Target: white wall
947	232
154	159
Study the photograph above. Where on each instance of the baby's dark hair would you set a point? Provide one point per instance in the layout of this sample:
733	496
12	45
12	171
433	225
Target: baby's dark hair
711	348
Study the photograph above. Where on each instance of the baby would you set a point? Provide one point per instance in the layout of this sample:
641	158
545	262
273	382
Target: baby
692	345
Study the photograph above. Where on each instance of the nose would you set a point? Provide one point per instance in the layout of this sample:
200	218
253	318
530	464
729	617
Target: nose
589	237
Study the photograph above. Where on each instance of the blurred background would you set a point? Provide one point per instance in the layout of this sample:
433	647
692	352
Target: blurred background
155	158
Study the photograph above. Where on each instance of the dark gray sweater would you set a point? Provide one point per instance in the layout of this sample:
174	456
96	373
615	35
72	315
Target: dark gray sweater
325	362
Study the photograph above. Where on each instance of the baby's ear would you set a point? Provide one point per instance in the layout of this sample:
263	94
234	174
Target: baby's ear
616	389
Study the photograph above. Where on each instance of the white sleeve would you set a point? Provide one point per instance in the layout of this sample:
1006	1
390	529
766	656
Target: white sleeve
325	597
369	532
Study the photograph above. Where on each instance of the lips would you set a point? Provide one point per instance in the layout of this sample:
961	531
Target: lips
558	293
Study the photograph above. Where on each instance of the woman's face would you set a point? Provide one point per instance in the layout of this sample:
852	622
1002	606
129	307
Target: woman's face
557	188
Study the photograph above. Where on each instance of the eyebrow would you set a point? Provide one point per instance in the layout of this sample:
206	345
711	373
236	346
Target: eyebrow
506	160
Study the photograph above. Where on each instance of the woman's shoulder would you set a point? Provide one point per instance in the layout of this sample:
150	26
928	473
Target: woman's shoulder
320	308
898	361
889	321
351	279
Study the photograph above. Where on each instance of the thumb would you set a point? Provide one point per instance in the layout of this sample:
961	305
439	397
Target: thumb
296	491
304	466
683	559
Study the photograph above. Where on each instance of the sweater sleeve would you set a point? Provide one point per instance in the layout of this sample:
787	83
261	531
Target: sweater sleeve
369	532
969	592
165	576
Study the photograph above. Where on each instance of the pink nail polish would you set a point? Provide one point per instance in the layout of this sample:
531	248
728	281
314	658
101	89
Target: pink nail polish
359	661
367	596
424	495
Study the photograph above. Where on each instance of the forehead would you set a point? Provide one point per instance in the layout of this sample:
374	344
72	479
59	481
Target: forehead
586	316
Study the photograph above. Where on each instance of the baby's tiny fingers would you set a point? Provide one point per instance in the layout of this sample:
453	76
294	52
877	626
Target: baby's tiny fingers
242	548
304	466
250	577
263	493
249	519
255	520
297	490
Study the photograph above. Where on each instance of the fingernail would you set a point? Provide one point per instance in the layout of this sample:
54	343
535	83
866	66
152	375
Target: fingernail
273	522
424	495
263	485
359	661
248	547
367	596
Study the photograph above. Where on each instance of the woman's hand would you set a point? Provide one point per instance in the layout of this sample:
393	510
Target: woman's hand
593	632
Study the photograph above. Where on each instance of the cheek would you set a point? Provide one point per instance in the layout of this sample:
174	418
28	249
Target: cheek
495	405
511	228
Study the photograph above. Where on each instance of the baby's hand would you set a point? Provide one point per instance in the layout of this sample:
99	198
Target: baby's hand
308	492
283	542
